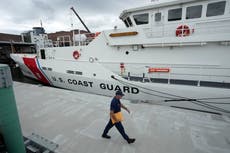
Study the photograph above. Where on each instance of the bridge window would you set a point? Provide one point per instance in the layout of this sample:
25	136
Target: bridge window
128	22
158	17
216	8
193	12
175	14
141	19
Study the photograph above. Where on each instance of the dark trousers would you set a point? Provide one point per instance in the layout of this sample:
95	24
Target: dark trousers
119	127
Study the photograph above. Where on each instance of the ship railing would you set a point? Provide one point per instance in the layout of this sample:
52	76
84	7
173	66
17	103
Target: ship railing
63	43
195	76
82	39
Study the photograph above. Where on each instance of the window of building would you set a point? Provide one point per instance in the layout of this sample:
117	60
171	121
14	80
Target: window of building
216	8
157	17
175	14
141	19
194	12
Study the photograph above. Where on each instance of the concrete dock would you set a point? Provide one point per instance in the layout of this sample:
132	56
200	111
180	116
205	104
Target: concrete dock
75	121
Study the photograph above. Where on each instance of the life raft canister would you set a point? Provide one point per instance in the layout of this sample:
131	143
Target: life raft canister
76	54
182	31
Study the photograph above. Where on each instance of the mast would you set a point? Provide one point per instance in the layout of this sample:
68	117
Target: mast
80	19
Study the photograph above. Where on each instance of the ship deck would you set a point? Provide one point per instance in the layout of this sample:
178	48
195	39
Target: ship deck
75	121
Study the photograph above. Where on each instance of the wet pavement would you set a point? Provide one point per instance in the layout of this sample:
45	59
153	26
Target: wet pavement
76	120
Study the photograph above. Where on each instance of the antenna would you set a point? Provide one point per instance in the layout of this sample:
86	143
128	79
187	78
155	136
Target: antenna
72	27
41	23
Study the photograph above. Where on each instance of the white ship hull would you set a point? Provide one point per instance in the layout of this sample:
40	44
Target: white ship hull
170	54
181	96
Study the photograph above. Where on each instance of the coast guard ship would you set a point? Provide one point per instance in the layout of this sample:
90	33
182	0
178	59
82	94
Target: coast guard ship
175	53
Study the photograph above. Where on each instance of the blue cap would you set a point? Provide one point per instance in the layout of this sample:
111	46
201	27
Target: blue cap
119	92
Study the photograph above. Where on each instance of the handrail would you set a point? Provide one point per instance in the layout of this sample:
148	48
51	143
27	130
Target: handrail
89	37
221	74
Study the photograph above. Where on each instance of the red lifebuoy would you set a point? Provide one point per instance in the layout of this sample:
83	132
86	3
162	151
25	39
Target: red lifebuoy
182	31
76	54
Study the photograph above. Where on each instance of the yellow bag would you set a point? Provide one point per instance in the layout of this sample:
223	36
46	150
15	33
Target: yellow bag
118	116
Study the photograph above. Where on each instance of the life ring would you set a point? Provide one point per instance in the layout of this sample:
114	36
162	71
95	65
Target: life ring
76	54
182	31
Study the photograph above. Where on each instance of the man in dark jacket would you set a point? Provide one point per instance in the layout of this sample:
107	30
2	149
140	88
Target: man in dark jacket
115	107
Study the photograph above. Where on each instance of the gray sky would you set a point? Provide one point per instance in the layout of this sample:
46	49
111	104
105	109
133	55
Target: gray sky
21	15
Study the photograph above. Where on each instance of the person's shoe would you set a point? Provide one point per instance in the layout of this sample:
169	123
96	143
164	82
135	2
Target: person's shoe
106	136
131	140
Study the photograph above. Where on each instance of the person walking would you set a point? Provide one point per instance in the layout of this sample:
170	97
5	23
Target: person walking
116	118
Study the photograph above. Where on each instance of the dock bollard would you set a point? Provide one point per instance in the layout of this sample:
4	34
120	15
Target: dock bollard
9	121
